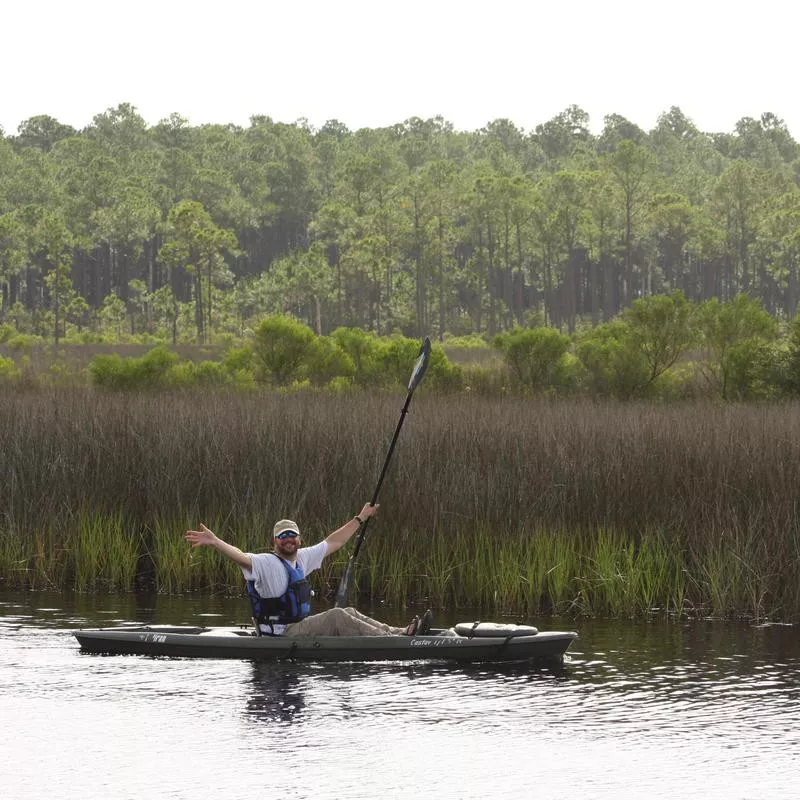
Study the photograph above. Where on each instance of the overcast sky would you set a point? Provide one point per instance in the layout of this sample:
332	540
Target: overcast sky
370	64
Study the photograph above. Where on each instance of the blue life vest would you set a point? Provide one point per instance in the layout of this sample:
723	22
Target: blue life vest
292	606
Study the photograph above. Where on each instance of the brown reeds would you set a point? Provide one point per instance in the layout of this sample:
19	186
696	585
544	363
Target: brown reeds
514	504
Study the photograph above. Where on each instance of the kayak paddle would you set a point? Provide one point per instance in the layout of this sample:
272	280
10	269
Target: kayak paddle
420	365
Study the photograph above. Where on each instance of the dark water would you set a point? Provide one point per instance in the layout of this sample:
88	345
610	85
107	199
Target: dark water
640	710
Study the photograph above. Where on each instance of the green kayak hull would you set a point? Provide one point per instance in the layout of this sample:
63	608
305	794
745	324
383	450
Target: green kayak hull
188	642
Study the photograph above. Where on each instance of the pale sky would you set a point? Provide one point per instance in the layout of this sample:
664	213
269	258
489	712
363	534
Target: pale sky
370	64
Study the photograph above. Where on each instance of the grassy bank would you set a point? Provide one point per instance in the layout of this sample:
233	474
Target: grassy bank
514	505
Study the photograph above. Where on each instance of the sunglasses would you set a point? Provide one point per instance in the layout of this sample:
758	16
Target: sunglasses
288	535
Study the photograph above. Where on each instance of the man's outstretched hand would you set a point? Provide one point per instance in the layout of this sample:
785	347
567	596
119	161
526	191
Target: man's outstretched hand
201	538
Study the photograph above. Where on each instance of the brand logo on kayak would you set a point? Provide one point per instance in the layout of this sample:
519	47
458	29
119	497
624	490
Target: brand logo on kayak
436	642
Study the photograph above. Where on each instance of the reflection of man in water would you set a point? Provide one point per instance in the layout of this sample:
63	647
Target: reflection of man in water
277	584
276	693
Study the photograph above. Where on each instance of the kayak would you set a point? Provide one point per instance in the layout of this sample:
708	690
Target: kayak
465	642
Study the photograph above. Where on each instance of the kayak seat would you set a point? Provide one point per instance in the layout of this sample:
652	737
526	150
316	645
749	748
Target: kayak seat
502	629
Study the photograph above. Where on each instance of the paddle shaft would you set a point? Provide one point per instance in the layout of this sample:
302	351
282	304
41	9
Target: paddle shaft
341	592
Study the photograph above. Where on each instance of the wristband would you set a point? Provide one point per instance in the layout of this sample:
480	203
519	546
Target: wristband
358	519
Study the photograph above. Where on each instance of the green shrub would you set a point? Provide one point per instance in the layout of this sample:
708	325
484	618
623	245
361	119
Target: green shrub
242	379
754	370
533	355
8	370
325	360
731	333
204	374
442	374
280	345
180	376
660	329
397	357
614	366
24	342
471	342
569	375
6	332
147	372
788	361
677	383
110	372
300	385
365	351
211	373
399	354
239	359
340	384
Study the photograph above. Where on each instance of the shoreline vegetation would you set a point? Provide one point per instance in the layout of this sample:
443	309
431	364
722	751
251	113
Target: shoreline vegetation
662	348
526	505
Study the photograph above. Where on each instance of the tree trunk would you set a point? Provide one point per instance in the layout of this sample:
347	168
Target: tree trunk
57	302
419	276
519	294
318	315
198	307
441	280
481	279
627	289
791	291
571	290
490	284
508	285
209	327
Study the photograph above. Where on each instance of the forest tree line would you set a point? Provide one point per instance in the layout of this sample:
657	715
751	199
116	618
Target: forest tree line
188	233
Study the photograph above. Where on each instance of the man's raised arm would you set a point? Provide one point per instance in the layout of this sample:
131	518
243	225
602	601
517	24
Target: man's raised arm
206	538
342	535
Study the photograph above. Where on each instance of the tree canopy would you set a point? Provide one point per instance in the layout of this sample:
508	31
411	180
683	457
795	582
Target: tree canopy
189	231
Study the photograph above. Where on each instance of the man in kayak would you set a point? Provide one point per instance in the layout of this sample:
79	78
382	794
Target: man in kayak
278	589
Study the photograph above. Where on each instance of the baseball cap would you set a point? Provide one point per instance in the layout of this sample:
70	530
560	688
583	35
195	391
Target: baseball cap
284	525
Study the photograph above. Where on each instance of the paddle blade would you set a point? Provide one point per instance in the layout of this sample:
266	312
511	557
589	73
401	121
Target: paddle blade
420	365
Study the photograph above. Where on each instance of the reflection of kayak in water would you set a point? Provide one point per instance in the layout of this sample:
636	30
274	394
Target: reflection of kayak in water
466	642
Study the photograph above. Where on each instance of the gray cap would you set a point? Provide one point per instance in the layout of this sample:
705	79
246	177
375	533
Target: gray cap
285	525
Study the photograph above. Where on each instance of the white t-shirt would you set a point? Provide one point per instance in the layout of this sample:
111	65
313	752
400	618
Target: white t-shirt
270	576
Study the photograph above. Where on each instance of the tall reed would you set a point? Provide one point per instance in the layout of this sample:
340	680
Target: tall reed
530	506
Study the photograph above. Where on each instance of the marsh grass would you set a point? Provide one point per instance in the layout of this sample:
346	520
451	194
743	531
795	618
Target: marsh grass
104	554
522	506
15	551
